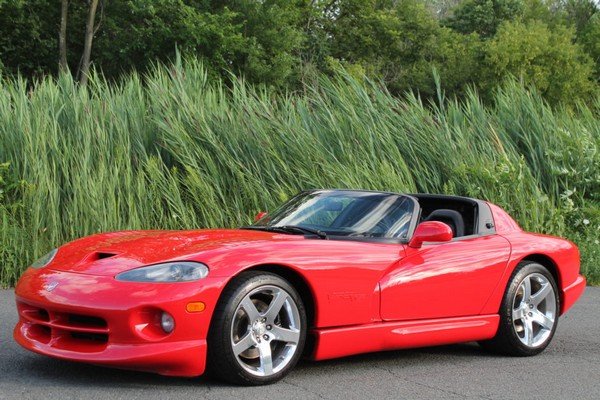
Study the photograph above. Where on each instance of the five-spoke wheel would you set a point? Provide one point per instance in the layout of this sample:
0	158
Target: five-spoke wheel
529	312
534	310
266	330
258	331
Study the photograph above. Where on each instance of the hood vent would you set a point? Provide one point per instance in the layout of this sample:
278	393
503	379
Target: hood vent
103	255
99	255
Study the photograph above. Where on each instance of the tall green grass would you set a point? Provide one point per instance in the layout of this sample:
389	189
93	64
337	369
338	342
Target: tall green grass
175	150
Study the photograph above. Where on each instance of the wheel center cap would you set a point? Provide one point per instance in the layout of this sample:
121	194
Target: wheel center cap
259	328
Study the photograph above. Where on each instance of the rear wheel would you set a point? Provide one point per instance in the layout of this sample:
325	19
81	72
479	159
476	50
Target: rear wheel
258	330
528	314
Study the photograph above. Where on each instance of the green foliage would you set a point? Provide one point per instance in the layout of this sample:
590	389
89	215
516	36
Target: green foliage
285	43
400	43
484	16
273	31
458	60
579	12
590	40
14	247
140	32
545	59
260	39
28	35
183	151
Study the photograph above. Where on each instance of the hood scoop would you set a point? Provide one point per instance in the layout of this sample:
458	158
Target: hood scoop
99	255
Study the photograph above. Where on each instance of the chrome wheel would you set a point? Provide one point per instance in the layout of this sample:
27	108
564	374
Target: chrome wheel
534	310
265	331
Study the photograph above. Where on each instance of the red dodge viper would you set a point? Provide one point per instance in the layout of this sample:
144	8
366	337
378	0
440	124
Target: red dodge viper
328	274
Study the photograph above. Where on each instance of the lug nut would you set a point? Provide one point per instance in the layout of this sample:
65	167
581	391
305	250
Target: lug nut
269	327
530	314
266	337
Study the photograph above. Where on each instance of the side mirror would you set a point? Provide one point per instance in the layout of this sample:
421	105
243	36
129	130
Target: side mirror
430	231
260	215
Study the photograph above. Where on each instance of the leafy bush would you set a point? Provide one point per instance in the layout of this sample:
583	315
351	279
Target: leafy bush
546	59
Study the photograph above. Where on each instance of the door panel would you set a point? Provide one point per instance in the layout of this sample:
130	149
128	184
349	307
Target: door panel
444	280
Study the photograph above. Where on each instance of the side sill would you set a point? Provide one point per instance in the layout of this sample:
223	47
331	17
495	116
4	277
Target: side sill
346	341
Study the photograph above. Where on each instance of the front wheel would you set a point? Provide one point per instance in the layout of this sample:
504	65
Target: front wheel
528	314
258	330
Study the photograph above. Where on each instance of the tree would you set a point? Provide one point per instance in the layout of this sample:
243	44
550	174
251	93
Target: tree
483	16
90	30
442	8
62	36
281	42
28	36
458	60
543	58
590	41
390	40
274	36
579	12
137	33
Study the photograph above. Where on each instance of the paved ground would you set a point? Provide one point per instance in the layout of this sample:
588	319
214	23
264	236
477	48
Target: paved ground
569	368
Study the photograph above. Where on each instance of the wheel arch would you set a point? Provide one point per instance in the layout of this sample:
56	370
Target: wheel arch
293	276
494	302
552	267
295	279
548	263
298	281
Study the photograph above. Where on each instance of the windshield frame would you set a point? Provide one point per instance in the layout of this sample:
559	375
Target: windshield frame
411	228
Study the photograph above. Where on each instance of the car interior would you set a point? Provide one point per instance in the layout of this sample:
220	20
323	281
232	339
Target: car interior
458	213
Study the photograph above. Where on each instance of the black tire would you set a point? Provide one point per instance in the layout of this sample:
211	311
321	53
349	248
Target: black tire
222	362
507	341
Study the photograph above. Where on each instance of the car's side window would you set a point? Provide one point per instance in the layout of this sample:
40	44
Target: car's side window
460	215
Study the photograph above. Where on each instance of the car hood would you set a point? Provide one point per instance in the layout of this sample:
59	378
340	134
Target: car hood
112	253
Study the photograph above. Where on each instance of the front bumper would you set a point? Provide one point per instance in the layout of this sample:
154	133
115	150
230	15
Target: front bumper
99	320
572	293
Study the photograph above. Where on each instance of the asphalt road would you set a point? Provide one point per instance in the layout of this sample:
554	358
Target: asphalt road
569	368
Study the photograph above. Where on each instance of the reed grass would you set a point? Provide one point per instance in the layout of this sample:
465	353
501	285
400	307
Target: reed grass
176	150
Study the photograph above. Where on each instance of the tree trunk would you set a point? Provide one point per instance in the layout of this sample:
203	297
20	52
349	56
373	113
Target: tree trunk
87	48
62	37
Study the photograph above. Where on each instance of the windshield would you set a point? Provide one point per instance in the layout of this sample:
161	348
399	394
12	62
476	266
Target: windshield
345	213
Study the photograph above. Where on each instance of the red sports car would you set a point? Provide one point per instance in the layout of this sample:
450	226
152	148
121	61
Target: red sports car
329	274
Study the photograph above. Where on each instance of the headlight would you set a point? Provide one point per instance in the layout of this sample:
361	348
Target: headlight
44	260
183	271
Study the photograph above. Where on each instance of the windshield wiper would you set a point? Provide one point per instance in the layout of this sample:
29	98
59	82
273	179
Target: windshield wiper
289	229
300	229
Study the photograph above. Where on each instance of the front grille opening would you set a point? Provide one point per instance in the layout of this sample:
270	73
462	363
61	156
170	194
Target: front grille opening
86	320
43	315
90	337
41	333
